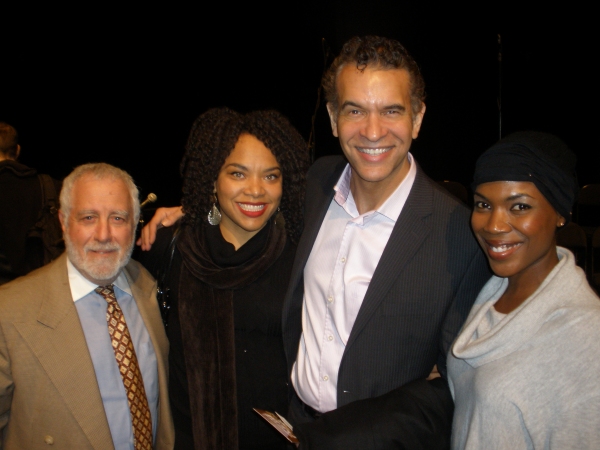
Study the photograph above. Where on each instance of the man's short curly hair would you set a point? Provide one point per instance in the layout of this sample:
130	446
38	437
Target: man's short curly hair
379	53
212	138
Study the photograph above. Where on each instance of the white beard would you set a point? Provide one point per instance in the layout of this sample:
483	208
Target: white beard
93	271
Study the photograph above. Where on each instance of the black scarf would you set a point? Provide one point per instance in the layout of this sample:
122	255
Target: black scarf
207	328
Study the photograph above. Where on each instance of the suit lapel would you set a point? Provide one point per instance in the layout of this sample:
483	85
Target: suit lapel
143	288
319	192
408	235
57	340
319	196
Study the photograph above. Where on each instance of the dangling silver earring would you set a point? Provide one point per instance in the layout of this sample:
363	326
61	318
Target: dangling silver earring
214	215
278	214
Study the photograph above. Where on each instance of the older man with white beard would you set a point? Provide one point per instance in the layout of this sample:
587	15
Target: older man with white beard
83	352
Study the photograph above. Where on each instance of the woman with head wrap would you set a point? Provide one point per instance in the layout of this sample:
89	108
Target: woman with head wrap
243	191
524	369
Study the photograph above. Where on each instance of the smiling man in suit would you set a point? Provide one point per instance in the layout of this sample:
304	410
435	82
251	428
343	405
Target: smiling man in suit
82	347
385	273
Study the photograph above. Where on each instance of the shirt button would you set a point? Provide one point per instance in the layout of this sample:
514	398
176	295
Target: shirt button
343	260
330	338
330	299
326	378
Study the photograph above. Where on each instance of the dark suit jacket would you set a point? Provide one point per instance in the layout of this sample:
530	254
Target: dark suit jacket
48	388
421	292
20	203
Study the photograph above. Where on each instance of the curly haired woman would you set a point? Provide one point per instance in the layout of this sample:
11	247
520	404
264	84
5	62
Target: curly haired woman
243	186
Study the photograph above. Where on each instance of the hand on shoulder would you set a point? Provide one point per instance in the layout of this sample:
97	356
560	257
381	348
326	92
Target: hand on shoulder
163	217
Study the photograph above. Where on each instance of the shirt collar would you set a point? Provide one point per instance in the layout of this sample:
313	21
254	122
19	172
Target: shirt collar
391	208
81	286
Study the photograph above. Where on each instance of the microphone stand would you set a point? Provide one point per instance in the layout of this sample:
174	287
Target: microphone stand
150	199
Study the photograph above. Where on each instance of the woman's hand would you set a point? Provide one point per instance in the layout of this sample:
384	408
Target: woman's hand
163	217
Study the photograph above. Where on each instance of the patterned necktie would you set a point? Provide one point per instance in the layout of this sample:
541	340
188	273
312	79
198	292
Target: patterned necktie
130	370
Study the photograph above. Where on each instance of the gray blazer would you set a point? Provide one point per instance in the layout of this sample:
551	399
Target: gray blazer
48	388
421	292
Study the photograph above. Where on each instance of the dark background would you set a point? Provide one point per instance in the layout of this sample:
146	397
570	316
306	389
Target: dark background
119	84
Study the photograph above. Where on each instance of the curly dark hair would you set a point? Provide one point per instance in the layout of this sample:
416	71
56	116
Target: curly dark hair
378	52
212	138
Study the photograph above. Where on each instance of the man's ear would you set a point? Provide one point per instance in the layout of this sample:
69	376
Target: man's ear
332	118
417	121
18	151
63	220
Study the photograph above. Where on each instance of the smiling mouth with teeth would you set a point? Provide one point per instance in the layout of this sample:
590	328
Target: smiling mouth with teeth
373	151
503	248
252	208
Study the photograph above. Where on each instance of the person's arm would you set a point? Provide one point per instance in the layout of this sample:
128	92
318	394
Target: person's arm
416	416
163	217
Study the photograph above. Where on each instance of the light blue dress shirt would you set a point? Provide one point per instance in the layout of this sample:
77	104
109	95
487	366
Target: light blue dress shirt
91	308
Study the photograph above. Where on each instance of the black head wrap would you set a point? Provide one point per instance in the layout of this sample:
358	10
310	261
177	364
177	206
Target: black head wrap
540	158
